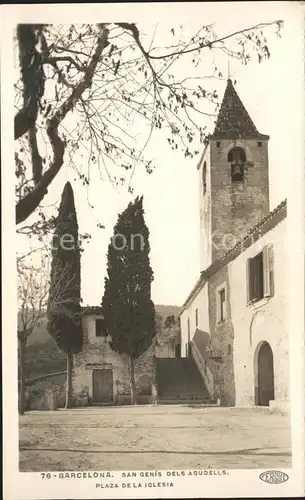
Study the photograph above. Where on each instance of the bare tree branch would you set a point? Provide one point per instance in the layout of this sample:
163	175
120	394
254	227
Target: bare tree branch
31	201
32	78
36	158
113	94
210	44
55	59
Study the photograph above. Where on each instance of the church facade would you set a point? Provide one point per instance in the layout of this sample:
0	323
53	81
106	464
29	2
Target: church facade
234	321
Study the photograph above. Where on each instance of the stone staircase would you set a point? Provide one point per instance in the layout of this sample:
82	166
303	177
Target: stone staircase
179	382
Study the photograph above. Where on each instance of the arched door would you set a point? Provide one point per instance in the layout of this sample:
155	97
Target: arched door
265	375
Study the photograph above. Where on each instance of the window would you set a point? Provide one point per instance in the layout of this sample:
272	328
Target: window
222	298
100	328
204	178
237	158
229	349
260	275
221	304
218	144
196	314
259	144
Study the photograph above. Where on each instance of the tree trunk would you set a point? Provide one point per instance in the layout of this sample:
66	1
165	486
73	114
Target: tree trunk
132	381
69	380
22	344
154	387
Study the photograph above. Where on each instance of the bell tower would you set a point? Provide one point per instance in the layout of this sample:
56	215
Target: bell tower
233	179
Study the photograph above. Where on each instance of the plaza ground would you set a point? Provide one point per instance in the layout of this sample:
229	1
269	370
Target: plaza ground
154	437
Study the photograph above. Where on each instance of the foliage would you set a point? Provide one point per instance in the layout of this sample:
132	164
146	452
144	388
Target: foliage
64	314
127	306
170	321
84	91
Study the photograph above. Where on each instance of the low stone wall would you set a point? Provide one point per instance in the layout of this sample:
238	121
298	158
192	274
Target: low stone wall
46	394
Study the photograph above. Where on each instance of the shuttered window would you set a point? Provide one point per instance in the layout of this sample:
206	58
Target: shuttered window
249	280
260	275
268	270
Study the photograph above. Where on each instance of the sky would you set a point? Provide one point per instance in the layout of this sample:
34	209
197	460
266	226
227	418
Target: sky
269	92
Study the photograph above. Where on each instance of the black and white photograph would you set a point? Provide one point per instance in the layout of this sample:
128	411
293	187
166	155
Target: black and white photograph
153	253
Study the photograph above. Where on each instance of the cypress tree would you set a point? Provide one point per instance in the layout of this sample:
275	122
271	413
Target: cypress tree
128	310
64	309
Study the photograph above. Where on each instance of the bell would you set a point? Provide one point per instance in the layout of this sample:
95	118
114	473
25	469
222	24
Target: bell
237	171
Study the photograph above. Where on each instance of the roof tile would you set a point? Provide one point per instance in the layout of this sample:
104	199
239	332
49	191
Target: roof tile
233	120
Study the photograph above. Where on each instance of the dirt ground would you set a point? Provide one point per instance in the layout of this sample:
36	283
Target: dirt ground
153	437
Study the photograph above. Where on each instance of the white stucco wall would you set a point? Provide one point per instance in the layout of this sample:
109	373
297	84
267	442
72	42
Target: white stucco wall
89	329
201	303
265	320
205	211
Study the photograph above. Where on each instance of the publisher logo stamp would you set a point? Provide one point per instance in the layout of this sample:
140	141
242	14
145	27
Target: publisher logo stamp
274	477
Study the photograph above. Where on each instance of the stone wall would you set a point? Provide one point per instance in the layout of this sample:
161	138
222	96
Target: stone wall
47	393
97	353
222	338
237	206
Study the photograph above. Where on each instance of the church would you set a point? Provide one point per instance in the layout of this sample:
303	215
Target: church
234	321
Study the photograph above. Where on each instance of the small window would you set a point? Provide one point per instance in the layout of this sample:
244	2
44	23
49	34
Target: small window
237	158
259	144
100	328
218	144
196	314
221	305
204	178
229	349
260	275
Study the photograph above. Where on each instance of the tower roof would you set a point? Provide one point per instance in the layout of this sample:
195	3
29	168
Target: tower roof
233	120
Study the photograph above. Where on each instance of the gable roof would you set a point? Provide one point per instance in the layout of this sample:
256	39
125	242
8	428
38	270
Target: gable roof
264	225
233	120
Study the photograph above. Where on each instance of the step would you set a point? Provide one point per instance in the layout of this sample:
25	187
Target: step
180	380
203	402
193	397
182	388
188	397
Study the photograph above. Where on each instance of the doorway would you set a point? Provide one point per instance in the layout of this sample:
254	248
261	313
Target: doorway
102	386
264	386
178	351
